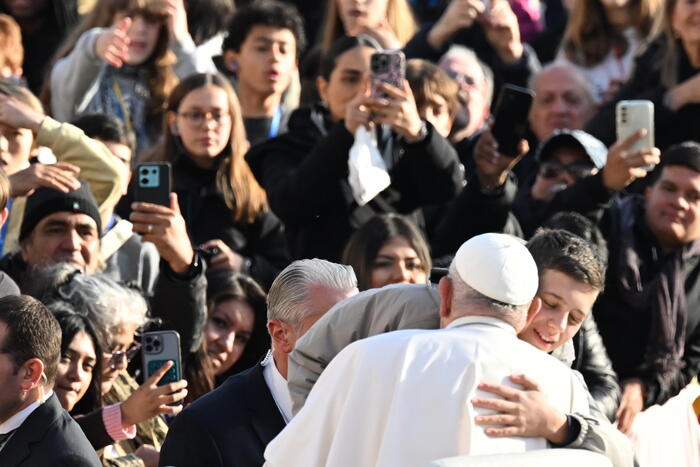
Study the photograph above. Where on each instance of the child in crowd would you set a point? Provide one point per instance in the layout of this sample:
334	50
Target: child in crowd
24	127
124	59
263	46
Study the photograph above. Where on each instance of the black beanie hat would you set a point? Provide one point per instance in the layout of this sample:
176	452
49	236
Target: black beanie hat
46	201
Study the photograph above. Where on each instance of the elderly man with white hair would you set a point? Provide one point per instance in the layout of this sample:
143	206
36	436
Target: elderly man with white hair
232	424
405	397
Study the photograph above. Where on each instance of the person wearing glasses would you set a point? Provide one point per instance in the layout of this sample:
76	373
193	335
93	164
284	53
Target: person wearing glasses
224	207
123	419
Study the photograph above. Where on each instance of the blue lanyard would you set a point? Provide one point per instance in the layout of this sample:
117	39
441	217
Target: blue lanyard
276	120
3	232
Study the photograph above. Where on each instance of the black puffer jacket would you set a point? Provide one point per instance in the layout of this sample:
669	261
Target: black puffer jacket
305	175
593	363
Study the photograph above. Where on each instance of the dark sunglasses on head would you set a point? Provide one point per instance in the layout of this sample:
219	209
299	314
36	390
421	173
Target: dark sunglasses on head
578	170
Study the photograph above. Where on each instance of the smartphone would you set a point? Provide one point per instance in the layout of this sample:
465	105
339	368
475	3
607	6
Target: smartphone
632	116
153	183
387	67
157	347
510	118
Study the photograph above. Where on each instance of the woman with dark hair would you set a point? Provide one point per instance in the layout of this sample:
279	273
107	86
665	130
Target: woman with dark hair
305	171
224	207
235	335
78	379
388	249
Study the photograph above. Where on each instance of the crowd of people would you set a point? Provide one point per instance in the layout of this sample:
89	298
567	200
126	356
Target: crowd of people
452	299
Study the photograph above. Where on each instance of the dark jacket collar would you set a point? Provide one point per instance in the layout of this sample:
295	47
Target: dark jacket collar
265	417
31	432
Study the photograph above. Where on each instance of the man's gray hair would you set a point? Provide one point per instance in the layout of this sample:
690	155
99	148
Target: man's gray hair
468	54
576	71
288	300
468	301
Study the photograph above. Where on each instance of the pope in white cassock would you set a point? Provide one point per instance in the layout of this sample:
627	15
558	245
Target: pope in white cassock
404	398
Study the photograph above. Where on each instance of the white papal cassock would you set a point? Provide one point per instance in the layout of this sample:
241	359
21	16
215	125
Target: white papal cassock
403	398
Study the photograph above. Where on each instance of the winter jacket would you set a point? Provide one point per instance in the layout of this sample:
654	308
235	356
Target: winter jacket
593	363
305	175
626	333
208	217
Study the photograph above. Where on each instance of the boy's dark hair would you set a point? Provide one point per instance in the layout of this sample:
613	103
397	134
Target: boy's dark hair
569	254
106	128
32	332
265	13
685	154
207	18
583	227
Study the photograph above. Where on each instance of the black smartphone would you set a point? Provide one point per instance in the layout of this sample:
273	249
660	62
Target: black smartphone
510	118
153	183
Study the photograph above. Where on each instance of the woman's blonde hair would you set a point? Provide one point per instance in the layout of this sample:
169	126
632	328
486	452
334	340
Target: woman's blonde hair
398	15
160	77
234	179
589	36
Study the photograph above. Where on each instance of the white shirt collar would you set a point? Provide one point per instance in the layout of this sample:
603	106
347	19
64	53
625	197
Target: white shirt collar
488	320
278	386
17	419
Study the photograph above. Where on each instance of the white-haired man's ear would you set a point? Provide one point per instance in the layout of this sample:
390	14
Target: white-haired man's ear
446	290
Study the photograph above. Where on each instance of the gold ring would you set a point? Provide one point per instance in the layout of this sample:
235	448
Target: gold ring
150	228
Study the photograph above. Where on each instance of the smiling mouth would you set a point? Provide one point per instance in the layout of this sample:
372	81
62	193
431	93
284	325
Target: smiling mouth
547	341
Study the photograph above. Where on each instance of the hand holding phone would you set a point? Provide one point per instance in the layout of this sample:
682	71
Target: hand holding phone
154	397
154	183
632	116
388	68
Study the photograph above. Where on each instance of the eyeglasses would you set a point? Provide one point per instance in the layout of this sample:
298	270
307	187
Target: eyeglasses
116	357
577	170
461	78
197	118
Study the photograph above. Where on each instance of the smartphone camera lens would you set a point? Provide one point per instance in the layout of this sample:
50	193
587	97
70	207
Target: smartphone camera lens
144	171
149	339
149	348
156	344
144	181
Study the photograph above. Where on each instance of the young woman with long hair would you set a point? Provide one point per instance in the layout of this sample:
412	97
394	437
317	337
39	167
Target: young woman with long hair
224	206
604	36
124	58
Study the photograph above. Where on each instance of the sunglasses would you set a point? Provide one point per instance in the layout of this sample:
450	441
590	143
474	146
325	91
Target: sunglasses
577	170
116	357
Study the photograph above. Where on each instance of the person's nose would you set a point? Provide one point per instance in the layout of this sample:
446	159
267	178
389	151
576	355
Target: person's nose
567	178
402	273
558	322
73	373
4	143
72	241
137	24
559	106
230	341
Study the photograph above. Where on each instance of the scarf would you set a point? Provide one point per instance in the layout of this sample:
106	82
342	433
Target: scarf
663	297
